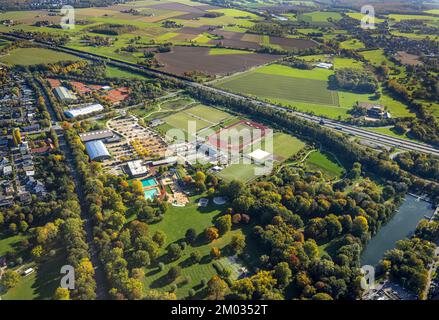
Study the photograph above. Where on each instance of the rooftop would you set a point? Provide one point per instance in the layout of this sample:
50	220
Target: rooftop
259	155
96	150
72	113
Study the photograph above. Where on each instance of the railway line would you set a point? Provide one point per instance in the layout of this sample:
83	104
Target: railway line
376	138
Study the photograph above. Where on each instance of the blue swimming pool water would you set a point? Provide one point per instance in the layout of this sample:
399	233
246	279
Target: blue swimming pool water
151	193
150	182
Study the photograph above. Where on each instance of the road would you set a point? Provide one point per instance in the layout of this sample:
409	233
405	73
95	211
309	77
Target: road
355	131
101	292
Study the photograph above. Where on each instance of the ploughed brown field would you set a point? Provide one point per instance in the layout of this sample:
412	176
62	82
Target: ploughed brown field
195	30
187	59
249	41
234	40
407	58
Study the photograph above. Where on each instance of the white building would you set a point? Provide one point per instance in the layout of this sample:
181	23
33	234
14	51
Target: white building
73	113
136	168
324	65
259	156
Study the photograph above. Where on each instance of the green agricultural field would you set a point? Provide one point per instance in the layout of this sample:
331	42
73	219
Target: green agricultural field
307	90
222	51
340	63
175	224
325	163
352	44
236	13
281	83
280	70
359	16
400	17
320	17
415	36
32	56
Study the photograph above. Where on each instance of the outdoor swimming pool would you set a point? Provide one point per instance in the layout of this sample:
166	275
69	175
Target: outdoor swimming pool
151	193
150	182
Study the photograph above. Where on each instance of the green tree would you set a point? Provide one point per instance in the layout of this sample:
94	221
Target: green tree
282	273
216	288
174	251
359	226
224	223
159	237
61	294
190	235
174	272
237	243
9	279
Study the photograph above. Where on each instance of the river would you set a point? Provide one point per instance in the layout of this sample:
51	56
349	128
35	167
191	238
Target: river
402	225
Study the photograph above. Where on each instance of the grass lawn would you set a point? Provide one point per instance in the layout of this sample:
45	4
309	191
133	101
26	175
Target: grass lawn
32	56
176	222
114	72
284	146
325	163
376	57
208	113
41	284
390	132
181	120
352	44
203	116
9	244
395	107
239	171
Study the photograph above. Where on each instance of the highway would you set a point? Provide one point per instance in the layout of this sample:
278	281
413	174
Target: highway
352	130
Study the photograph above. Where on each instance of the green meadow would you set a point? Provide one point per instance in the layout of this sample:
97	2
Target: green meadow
325	163
33	56
175	223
